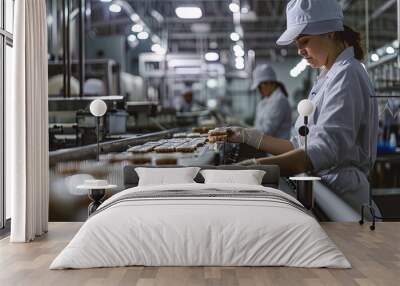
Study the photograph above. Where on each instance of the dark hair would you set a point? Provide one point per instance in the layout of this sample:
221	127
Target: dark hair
277	84
282	87
351	38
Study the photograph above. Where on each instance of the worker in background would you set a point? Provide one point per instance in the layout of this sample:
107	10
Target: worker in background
344	123
273	114
187	103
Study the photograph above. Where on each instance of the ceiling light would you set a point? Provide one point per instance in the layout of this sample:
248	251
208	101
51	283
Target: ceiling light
239	60
156	15
235	37
143	35
132	38
239	66
135	17
188	12
211	56
374	57
244	10
213	45
390	50
137	28
234	7
237	48
212	103
115	8
239	53
158	49
155	39
106	1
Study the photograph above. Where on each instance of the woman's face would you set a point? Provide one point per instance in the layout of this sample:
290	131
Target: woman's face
266	88
314	48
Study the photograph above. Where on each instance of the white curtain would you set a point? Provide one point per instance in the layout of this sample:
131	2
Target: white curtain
27	124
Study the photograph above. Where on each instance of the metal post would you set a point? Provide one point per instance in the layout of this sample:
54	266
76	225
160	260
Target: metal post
367	31
98	137
68	51
81	46
64	34
398	31
305	135
2	126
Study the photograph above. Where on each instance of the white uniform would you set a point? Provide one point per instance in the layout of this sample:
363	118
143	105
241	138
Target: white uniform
342	127
273	115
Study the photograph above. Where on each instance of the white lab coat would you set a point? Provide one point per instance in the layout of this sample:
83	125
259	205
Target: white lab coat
273	115
342	127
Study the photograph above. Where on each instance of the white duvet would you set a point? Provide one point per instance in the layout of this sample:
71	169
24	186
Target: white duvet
200	231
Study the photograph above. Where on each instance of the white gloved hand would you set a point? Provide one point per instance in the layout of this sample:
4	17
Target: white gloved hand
236	134
252	137
248	162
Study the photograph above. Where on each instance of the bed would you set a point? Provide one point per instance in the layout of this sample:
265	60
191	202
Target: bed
198	224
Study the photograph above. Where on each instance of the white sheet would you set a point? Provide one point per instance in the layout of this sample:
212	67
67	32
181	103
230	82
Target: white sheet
223	232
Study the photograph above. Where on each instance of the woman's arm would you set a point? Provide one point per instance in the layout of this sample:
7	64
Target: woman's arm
293	162
254	138
275	146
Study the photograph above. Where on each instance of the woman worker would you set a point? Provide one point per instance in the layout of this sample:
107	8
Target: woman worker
345	119
273	114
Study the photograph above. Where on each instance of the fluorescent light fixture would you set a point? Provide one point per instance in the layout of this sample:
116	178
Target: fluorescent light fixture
299	68
158	49
235	37
234	7
115	8
211	56
106	1
374	57
239	53
189	12
143	35
132	38
135	17
137	28
390	50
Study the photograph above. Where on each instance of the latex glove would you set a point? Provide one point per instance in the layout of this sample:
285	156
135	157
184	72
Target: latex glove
237	134
252	137
248	162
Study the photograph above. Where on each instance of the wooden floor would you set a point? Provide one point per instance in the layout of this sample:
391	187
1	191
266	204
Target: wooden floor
375	257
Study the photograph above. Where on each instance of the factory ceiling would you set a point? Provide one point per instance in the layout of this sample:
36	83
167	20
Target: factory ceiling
260	26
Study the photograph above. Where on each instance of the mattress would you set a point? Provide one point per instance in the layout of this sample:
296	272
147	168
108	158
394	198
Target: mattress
201	225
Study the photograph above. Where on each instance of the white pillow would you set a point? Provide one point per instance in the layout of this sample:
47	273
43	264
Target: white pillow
248	177
163	176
